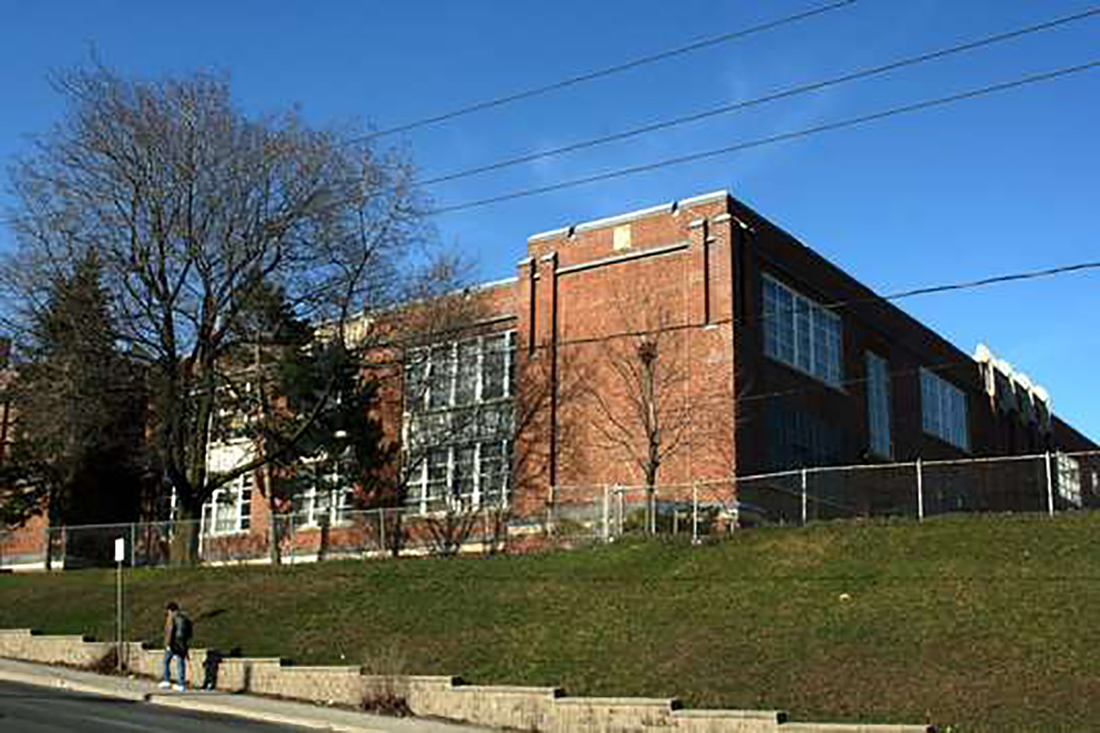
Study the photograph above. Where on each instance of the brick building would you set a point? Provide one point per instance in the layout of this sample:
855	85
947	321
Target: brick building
695	341
811	366
689	342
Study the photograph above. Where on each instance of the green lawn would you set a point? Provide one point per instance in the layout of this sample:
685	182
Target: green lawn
985	623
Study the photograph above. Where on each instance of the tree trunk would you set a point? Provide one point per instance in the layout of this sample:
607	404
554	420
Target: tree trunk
184	547
396	536
189	498
322	547
274	531
49	548
651	498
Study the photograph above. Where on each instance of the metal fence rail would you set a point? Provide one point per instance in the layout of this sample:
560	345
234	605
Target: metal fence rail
1047	483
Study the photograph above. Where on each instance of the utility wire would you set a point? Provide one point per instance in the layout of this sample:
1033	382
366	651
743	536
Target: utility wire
757	101
1015	277
782	94
743	320
815	385
607	71
772	139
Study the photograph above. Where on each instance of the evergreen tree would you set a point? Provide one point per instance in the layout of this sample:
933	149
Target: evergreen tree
78	412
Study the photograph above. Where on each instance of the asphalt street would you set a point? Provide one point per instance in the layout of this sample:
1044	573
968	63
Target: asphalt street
34	709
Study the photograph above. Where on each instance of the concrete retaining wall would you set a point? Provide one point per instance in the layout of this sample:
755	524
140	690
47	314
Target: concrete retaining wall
523	708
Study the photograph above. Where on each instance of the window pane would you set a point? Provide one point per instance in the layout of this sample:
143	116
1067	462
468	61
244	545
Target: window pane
415	490
462	480
341	503
801	333
878	405
464	424
466	382
442	376
416	380
493	469
771	319
785	319
803	354
493	369
943	410
436	489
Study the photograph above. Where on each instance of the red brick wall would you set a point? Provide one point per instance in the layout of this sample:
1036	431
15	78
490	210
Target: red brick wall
672	278
26	544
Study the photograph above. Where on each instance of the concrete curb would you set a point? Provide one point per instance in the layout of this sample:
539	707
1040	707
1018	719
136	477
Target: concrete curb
72	686
182	702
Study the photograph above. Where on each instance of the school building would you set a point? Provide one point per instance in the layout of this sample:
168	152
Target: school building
683	344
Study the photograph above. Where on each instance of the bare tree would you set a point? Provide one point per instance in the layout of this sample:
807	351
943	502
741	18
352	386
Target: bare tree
192	206
650	402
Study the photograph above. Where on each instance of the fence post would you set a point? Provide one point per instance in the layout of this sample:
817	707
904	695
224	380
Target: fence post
293	537
606	513
552	491
1050	486
621	493
920	492
803	497
695	513
133	544
653	513
382	531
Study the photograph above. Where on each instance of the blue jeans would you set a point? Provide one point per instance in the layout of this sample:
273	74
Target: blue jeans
181	666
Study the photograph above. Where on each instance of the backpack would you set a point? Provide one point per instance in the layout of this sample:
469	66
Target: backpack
184	630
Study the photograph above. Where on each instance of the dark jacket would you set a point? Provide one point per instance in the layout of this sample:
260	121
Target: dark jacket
174	636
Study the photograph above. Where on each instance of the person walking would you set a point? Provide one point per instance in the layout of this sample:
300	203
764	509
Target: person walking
177	638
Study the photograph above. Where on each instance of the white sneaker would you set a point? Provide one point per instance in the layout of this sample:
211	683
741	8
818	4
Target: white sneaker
179	688
164	685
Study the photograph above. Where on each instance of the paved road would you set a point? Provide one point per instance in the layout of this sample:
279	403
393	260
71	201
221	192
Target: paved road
34	709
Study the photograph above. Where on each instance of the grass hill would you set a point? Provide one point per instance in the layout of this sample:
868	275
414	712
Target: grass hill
984	623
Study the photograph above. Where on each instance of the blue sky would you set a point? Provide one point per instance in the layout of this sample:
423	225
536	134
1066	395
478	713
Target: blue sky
989	186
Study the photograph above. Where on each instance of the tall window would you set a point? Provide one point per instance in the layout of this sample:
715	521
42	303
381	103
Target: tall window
798	439
229	509
327	497
801	333
458	422
878	405
1069	478
943	410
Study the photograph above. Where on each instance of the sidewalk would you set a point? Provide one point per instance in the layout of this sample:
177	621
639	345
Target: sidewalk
223	703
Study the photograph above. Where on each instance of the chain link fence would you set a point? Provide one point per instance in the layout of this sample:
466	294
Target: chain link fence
286	538
574	515
1039	483
577	514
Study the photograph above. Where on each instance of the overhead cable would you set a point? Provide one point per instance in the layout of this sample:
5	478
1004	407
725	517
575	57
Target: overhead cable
607	71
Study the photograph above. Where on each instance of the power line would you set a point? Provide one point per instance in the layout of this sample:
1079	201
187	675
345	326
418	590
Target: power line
743	320
772	139
760	142
814	385
607	71
757	101
1035	274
